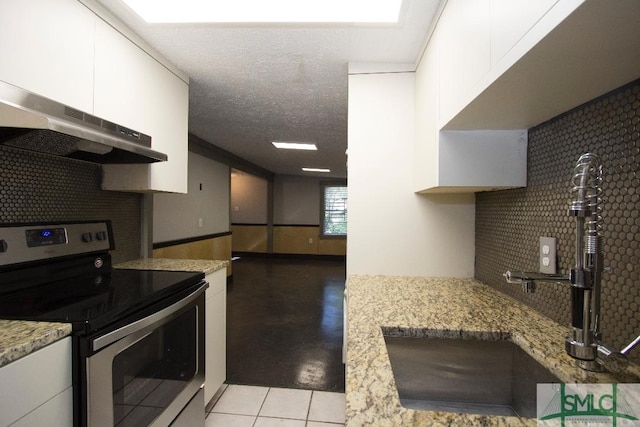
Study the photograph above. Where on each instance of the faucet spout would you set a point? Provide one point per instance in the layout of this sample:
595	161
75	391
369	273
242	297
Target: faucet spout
528	279
525	276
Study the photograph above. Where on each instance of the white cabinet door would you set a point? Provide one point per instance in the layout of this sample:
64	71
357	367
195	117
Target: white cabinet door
460	161
55	412
427	113
37	387
511	20
135	90
460	60
539	53
63	51
215	333
464	34
47	48
472	161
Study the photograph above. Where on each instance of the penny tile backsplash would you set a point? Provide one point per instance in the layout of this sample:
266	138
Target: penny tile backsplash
509	223
38	188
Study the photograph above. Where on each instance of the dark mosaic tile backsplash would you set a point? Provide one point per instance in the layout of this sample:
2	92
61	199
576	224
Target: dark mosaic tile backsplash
509	223
39	188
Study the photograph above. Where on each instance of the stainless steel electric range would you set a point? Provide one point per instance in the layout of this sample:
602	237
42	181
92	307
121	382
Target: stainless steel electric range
138	335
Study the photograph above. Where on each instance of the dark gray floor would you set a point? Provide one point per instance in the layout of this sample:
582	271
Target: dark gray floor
284	323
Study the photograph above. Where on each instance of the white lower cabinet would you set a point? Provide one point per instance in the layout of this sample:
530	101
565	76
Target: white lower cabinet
215	333
54	412
36	390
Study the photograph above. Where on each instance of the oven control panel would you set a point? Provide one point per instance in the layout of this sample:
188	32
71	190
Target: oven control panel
40	242
46	236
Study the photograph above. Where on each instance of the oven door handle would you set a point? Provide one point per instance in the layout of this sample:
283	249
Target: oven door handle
155	318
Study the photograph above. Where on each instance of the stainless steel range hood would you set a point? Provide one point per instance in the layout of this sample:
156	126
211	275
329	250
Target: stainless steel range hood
32	122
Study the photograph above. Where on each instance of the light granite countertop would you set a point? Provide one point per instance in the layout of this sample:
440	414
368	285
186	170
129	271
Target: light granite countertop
442	307
18	338
206	266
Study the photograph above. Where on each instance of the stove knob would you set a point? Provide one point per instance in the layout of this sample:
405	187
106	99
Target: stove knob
86	237
101	235
3	246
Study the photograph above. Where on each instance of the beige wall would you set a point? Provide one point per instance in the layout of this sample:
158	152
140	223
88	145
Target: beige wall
249	198
305	240
296	200
286	240
296	214
332	247
249	238
216	248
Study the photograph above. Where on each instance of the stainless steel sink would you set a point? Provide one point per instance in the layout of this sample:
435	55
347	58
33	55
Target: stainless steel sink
465	376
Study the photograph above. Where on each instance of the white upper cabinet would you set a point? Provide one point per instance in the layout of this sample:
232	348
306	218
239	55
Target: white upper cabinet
548	57
504	66
456	60
481	39
427	104
510	20
465	51
467	161
66	51
47	48
135	90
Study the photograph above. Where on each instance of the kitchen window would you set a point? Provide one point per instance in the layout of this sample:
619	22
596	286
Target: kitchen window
333	209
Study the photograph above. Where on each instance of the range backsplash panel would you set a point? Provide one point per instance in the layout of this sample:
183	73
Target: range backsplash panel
39	188
509	223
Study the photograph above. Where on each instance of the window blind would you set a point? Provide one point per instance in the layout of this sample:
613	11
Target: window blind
334	220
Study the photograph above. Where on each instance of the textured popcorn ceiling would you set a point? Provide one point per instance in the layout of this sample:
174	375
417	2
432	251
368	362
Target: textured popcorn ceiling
253	84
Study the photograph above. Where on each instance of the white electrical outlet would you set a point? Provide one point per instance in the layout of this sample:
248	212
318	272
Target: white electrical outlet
548	255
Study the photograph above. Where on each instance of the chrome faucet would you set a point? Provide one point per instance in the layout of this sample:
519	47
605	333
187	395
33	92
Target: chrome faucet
584	341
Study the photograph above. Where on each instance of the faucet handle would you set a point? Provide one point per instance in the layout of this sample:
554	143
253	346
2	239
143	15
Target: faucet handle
511	278
631	345
612	360
528	285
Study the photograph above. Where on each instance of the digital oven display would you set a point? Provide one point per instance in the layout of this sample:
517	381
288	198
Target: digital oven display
46	237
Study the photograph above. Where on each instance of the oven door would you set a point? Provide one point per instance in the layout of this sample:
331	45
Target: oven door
147	372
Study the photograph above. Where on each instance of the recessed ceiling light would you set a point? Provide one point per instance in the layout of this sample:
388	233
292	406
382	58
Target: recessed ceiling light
271	11
295	145
316	170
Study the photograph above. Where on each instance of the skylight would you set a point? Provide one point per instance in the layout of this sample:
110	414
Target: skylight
295	145
267	11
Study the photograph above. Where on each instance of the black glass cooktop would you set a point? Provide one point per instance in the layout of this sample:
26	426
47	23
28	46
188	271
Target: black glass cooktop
93	303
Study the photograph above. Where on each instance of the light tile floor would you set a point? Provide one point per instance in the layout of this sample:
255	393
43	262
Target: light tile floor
253	406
